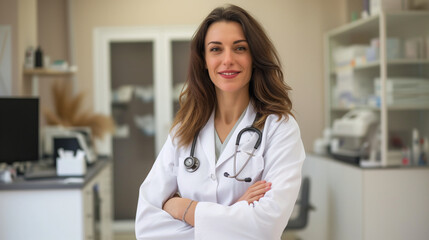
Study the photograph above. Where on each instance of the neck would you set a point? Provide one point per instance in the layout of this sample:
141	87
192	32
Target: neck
230	106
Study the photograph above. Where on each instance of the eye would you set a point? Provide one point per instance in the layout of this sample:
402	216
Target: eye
214	49
241	48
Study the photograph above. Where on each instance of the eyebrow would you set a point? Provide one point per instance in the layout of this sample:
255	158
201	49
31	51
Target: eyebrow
235	42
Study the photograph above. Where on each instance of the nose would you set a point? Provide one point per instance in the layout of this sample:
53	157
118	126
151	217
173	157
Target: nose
228	58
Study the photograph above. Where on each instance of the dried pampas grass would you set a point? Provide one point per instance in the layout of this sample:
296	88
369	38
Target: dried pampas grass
68	112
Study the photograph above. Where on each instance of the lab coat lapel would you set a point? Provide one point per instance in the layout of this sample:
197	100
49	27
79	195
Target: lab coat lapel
206	140
229	150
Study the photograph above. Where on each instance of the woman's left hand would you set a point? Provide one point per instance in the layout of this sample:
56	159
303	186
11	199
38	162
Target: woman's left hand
255	192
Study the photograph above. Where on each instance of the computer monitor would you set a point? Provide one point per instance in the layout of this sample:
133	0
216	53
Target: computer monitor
19	129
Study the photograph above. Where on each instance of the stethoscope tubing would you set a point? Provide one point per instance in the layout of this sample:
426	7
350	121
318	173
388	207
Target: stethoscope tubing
192	163
242	167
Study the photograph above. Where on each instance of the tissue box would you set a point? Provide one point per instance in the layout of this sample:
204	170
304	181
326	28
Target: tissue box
67	165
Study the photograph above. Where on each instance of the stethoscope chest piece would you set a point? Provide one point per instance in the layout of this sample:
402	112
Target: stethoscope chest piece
191	164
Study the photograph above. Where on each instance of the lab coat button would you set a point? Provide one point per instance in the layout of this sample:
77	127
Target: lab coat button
213	176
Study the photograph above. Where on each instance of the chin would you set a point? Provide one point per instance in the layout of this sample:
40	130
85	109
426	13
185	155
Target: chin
231	89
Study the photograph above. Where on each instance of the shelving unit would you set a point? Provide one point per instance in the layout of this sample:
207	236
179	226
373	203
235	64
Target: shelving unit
43	72
394	118
47	72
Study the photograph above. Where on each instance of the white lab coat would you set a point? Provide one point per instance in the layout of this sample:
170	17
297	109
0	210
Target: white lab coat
218	216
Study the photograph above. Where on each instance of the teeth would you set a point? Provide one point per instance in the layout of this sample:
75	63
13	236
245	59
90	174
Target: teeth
228	74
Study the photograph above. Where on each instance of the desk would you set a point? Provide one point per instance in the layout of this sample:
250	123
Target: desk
356	203
56	209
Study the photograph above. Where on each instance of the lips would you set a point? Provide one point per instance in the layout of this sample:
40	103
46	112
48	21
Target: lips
229	74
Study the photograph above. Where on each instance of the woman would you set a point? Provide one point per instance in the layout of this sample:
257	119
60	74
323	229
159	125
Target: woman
234	81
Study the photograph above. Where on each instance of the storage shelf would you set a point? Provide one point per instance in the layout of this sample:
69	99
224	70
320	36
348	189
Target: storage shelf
407	61
376	64
408	108
35	73
368	65
390	108
346	109
409	13
407	17
370	24
361	26
47	72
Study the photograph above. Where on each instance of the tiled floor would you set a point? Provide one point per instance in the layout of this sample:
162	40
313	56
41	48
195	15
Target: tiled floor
125	236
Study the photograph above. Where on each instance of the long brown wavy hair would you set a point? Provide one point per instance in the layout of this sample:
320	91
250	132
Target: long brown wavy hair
267	90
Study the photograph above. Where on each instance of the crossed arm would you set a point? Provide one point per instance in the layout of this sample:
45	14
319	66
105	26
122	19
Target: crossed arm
184	208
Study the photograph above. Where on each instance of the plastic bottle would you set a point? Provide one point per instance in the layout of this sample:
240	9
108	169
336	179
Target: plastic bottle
415	146
29	58
423	158
38	58
405	156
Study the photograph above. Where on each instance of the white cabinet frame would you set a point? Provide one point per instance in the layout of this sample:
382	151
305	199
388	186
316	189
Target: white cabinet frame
161	36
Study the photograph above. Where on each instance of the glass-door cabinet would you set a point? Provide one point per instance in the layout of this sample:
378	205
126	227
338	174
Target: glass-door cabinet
140	73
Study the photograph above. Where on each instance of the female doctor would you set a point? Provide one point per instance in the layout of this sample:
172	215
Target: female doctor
231	166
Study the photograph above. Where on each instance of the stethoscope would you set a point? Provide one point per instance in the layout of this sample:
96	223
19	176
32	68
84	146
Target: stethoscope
192	163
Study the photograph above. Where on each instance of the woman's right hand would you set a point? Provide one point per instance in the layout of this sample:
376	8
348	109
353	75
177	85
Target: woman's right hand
256	191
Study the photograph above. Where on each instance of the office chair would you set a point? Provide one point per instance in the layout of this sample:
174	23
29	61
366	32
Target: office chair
300	222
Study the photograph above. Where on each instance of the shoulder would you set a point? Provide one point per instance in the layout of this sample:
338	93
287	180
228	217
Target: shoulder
286	121
174	139
287	125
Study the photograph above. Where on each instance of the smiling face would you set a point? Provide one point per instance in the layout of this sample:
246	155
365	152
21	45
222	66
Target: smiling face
228	58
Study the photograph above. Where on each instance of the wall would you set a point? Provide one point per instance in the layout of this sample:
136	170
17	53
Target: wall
21	16
53	38
27	36
8	10
296	28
